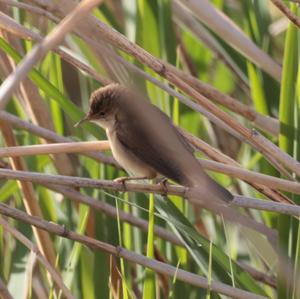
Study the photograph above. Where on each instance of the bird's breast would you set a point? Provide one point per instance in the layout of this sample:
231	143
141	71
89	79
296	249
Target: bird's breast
126	158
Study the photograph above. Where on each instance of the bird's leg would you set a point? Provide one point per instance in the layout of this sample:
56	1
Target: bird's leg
163	182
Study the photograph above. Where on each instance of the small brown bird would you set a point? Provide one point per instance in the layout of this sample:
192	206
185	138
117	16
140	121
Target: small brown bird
145	142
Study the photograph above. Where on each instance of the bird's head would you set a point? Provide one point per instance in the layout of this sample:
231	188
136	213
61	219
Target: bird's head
103	105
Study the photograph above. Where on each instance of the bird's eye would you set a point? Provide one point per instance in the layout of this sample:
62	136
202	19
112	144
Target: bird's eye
102	113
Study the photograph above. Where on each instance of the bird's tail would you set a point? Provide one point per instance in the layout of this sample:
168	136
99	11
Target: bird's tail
219	191
210	195
211	188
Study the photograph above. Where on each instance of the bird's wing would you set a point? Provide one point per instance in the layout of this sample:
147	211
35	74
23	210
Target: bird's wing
184	140
143	143
180	136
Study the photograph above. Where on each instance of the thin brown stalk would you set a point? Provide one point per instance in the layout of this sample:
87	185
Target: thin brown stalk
31	8
142	224
90	146
112	211
266	123
42	149
217	155
29	273
252	176
155	265
278	26
287	12
32	247
137	222
263	205
259	275
30	201
114	70
40	50
256	140
51	136
41	178
37	109
10	25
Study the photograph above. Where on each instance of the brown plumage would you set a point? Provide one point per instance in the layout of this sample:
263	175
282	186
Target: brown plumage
145	142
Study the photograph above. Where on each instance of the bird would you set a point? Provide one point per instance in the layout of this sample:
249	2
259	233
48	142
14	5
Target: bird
145	142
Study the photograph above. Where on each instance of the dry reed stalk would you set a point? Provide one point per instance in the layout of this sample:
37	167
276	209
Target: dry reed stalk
217	155
35	107
42	149
90	146
41	178
252	137
30	201
51	136
252	176
10	25
287	12
259	275
268	124
141	223
33	248
48	43
112	211
31	8
156	266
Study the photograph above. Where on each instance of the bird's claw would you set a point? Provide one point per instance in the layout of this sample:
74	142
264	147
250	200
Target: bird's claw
164	184
122	180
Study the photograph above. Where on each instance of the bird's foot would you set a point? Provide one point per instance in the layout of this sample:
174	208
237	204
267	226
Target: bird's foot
122	180
164	184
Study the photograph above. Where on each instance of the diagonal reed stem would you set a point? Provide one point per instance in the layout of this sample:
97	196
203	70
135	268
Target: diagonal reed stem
155	265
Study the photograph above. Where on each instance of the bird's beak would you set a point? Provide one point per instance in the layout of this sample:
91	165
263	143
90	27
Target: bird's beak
86	118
